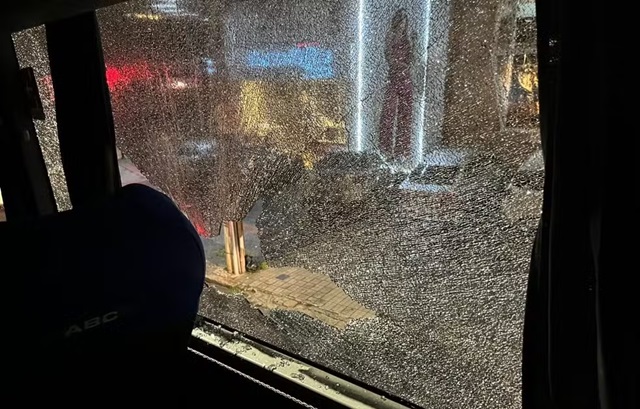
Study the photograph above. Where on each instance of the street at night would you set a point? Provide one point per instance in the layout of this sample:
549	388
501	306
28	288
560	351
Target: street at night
366	176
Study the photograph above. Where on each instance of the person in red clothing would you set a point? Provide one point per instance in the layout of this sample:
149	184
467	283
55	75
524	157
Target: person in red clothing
396	118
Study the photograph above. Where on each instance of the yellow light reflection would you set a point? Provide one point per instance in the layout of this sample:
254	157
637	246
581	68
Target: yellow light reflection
297	117
142	16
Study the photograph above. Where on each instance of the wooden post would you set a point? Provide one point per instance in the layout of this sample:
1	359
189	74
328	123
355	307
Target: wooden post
234	247
227	247
241	247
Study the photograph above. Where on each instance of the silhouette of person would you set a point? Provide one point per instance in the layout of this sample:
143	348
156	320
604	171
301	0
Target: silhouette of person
396	118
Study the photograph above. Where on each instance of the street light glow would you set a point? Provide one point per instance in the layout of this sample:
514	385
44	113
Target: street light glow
423	98
360	81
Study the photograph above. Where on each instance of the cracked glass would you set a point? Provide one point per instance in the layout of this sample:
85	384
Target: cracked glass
366	175
31	50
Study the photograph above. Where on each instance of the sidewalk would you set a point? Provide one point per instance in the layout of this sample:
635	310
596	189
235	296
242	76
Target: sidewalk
294	289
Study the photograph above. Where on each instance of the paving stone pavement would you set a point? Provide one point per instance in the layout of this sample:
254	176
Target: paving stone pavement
298	289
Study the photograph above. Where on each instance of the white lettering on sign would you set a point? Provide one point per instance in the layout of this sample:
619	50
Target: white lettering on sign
90	323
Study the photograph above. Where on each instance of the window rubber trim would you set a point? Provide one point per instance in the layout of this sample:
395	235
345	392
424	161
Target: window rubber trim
353	388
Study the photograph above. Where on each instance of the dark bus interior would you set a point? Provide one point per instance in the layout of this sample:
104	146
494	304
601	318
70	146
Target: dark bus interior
83	325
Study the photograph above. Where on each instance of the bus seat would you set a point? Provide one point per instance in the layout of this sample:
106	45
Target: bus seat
101	295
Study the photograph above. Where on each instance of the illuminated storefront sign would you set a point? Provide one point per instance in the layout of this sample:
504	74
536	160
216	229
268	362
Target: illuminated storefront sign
315	63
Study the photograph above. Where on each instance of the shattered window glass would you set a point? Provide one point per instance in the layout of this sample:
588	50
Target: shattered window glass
366	175
31	50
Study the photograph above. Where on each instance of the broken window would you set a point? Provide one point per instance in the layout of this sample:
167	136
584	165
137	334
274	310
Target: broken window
31	50
365	175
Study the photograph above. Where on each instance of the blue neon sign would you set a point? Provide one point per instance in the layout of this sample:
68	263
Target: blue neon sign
316	63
